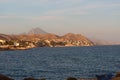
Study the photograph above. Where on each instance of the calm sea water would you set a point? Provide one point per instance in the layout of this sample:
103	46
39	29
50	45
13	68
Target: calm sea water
60	63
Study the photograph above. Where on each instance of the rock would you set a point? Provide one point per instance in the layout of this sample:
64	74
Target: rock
42	79
88	79
71	78
3	77
104	77
118	74
116	78
34	79
30	79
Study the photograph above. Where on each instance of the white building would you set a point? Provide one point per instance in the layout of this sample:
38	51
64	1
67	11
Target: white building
16	44
2	41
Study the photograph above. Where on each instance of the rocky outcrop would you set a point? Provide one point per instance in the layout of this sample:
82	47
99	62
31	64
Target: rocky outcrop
3	77
71	78
117	76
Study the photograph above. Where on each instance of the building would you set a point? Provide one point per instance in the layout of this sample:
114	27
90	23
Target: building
2	41
16	44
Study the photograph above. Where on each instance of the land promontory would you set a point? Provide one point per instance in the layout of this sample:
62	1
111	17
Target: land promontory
36	39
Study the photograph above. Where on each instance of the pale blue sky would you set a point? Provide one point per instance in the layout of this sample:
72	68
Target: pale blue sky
93	18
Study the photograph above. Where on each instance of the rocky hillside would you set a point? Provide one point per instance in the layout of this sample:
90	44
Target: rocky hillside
50	40
8	37
69	39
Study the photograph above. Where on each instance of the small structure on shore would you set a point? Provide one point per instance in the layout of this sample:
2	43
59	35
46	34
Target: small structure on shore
16	44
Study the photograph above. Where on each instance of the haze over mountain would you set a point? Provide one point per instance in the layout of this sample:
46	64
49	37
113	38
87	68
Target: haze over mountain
37	31
103	42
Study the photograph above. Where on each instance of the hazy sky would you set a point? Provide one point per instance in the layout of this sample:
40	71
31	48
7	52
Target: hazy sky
94	18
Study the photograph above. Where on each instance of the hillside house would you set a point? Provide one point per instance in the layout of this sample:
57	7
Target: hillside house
2	41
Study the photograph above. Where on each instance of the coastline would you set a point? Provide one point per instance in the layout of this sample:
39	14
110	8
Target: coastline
10	48
7	48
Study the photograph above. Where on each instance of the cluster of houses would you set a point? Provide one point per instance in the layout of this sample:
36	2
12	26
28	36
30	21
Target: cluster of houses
15	44
62	43
2	41
21	44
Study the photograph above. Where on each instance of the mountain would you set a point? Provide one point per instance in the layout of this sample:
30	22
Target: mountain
37	31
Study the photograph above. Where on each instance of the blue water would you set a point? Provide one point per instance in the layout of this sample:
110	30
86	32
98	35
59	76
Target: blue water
60	63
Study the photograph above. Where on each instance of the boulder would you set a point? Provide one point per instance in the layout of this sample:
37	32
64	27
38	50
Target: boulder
116	78
30	78
3	77
71	78
104	77
118	74
42	79
33	79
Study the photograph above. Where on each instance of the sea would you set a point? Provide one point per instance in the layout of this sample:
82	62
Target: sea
59	63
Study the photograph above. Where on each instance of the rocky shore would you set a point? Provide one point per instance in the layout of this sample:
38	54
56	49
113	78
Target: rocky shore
98	77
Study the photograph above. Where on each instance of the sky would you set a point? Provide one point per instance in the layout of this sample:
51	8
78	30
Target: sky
99	19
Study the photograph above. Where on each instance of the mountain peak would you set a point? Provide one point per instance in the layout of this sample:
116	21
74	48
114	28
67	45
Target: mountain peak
37	31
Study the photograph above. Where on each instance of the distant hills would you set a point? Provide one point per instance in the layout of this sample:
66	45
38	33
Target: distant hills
41	37
37	31
104	42
37	34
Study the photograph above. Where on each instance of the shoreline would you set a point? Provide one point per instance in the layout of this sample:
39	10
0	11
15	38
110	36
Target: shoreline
10	48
